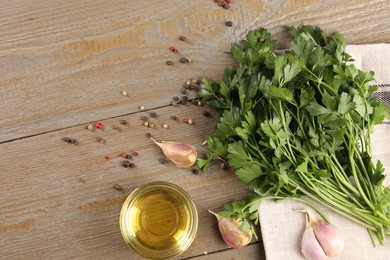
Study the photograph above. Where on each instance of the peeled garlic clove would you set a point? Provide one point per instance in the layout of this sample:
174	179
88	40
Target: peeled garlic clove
311	248
231	233
182	155
329	236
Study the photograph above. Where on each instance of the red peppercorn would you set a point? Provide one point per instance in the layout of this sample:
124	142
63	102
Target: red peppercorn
135	154
98	125
173	49
125	155
228	1
185	120
107	157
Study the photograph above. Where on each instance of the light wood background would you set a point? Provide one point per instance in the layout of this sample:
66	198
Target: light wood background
64	64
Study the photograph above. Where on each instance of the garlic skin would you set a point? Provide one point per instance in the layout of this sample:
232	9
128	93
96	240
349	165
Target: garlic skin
320	239
182	155
329	236
231	233
311	248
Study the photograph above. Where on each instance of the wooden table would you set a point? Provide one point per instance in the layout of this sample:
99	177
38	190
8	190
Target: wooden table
64	65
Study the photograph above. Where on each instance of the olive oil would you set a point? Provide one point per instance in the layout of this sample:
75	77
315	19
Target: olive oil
159	220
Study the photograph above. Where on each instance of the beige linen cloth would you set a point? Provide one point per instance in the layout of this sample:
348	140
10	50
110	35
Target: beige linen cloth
282	227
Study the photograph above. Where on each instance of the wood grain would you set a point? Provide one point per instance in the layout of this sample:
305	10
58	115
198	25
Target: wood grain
64	64
58	197
75	57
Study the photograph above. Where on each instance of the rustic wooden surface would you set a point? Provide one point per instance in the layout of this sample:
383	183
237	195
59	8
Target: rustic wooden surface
64	64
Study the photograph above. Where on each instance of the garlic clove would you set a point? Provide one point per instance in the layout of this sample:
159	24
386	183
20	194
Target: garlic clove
231	233
311	248
182	155
329	236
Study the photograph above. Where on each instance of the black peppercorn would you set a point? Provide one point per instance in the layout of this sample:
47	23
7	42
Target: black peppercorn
229	23
153	114
126	164
206	113
123	122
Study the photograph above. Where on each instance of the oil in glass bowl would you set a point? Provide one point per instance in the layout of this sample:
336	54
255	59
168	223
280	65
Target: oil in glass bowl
159	220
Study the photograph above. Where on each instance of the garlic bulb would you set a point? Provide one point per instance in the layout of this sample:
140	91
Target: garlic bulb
321	239
231	233
182	155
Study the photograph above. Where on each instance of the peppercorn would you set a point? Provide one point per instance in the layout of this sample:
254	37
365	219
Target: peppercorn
189	60
175	98
229	23
169	63
182	38
123	122
117	187
141	107
183	102
126	164
190	122
135	154
188	82
194	88
195	171
163	160
174	103
183	91
261	39
132	165
173	117
90	127
184	98
98	125
194	81
174	50
124	93
69	140
144	118
206	113
151	125
185	120
148	135
165	126
183	60
153	114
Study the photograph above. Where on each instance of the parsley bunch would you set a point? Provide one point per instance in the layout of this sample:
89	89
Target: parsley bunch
297	124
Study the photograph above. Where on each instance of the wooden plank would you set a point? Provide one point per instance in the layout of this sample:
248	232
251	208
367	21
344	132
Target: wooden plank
253	251
64	63
57	200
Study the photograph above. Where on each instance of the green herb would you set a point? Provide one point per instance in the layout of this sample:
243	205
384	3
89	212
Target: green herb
297	124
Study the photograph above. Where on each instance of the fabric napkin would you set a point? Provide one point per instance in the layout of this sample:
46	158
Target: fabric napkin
282	226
